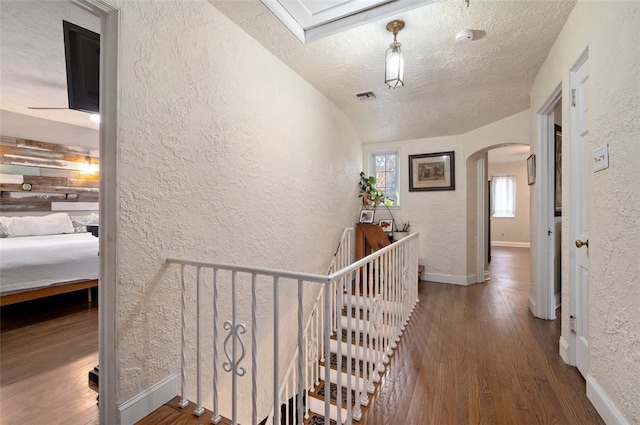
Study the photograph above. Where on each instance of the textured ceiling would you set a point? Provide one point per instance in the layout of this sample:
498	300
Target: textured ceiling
32	64
449	88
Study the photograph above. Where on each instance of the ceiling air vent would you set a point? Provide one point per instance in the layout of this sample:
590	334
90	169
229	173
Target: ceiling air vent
366	96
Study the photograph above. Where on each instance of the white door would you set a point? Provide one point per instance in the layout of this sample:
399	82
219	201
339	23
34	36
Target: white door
580	173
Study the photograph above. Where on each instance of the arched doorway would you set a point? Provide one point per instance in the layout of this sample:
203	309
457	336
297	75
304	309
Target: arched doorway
478	201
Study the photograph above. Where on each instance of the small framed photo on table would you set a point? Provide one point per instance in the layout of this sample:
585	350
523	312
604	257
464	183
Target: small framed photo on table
366	216
386	225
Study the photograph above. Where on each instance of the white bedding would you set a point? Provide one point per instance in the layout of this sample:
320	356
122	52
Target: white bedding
34	261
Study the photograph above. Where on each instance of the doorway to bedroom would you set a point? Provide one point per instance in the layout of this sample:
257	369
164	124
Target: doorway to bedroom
49	184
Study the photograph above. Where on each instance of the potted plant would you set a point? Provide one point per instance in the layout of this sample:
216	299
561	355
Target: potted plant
372	197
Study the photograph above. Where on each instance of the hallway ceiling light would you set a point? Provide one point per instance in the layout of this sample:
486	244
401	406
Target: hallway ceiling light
394	59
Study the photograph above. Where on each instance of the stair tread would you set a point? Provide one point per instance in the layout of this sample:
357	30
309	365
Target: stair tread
320	391
358	337
334	364
315	419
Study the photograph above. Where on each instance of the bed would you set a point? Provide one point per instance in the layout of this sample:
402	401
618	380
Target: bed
33	267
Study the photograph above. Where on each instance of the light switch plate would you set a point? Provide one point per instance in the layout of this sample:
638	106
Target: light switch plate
601	158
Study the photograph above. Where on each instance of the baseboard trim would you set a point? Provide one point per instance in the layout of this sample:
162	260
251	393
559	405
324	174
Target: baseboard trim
564	350
453	280
533	307
141	405
603	404
508	244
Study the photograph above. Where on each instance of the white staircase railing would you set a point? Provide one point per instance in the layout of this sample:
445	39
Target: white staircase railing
346	326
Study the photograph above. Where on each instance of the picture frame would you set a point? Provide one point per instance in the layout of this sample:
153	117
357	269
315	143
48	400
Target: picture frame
432	171
557	198
386	225
531	169
366	216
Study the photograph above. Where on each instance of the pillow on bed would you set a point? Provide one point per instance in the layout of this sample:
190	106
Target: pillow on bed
52	224
83	220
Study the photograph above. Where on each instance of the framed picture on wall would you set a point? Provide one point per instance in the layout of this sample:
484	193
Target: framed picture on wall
558	171
432	171
531	169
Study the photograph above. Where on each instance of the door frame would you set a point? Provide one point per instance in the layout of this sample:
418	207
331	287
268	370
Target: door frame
482	216
480	160
109	203
542	301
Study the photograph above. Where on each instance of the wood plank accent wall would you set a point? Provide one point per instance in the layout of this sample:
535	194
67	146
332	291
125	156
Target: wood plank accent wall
64	175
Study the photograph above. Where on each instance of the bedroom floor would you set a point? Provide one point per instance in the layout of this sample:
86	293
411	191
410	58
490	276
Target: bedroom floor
47	348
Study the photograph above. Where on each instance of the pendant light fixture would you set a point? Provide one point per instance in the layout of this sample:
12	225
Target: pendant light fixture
394	59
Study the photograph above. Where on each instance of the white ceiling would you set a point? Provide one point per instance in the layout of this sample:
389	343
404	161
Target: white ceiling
506	154
32	64
449	88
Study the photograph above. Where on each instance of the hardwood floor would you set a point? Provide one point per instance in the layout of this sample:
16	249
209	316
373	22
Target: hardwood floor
475	355
47	348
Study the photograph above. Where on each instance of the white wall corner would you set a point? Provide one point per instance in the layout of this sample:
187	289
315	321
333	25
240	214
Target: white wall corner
564	350
558	296
453	280
603	404
143	404
511	244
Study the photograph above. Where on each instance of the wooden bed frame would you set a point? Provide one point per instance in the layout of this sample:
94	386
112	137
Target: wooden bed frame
62	288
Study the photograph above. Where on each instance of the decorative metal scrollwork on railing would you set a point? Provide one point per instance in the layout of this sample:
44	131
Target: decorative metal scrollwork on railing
312	352
234	332
376	315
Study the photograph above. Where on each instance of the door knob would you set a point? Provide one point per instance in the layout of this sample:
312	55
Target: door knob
580	244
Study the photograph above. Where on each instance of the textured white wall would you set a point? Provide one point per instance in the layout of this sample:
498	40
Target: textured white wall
225	154
448	247
514	229
508	131
437	215
610	31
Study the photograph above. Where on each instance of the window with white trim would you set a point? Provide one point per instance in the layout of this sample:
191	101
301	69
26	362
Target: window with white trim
503	196
384	166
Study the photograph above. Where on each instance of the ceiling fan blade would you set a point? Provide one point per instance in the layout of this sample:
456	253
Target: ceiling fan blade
43	107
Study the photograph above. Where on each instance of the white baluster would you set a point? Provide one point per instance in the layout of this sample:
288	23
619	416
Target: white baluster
276	353
215	418
362	331
327	354
183	401
254	344
301	388
199	410
339	302
350	342
285	401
